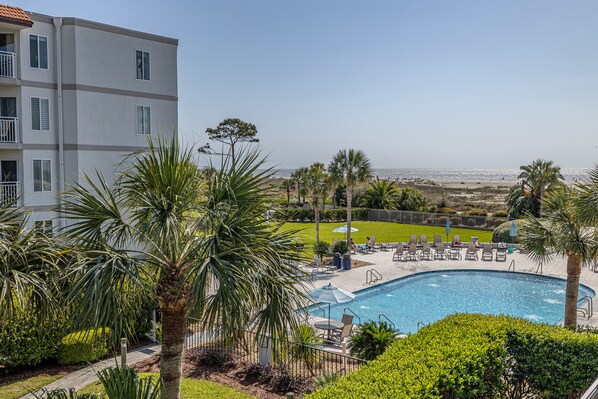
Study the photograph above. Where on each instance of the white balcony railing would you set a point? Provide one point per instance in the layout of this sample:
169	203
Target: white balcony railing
8	64
9	130
10	193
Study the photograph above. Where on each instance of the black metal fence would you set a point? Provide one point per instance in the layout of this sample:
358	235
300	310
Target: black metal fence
300	361
435	219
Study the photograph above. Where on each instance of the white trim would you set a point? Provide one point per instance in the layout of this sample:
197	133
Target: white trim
150	68
150	119
38	57
42	176
40	114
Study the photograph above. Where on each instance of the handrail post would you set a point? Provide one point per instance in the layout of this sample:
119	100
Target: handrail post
123	352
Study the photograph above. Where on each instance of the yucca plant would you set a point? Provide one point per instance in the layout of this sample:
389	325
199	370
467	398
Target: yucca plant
305	339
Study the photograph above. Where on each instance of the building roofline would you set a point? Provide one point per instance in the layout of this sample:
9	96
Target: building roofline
84	23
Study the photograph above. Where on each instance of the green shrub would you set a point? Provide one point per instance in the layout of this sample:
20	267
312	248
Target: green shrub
371	340
27	340
501	214
477	356
449	211
476	212
326	215
502	232
321	249
83	346
341	247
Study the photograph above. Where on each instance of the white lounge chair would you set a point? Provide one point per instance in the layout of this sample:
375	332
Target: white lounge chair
487	252
437	239
472	253
412	252
440	251
399	253
426	252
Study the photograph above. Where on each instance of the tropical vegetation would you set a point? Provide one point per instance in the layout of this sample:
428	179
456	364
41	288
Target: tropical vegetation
567	228
380	194
536	179
471	356
350	168
371	340
199	244
317	183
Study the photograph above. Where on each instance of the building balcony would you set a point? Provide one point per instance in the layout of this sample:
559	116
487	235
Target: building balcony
10	193
8	65
9	130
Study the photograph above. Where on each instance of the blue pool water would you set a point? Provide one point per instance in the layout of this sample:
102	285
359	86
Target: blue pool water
430	296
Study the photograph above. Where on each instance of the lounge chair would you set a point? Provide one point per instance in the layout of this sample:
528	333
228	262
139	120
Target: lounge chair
437	240
426	252
412	252
399	253
413	239
440	251
487	252
374	245
501	253
338	336
472	253
423	239
457	241
319	267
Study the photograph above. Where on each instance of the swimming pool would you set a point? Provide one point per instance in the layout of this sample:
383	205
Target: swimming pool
430	296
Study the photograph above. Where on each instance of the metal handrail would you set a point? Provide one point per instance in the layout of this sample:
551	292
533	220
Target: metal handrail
589	312
382	315
540	268
512	264
372	276
592	392
353	313
320	308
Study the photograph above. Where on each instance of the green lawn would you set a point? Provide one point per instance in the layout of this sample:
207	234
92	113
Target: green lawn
383	231
190	389
16	389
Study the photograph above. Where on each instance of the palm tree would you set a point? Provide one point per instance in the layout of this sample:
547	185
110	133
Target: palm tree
350	167
562	232
380	194
288	185
195	245
299	176
28	263
317	185
540	176
587	201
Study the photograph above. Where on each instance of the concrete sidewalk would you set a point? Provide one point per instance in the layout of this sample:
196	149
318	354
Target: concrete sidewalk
81	378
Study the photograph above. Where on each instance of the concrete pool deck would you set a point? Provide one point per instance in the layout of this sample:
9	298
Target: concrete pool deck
354	279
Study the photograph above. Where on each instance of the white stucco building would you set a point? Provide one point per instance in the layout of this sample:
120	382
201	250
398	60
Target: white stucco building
76	96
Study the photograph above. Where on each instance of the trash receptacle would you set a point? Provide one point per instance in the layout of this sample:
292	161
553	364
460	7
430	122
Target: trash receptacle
336	260
347	262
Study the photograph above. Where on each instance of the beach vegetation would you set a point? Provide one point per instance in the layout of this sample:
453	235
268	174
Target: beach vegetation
230	132
380	194
371	340
317	183
411	199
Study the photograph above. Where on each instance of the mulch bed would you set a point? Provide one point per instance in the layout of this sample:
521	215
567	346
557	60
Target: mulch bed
46	369
231	376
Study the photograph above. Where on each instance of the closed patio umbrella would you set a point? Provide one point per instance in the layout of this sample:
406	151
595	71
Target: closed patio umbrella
330	294
447	228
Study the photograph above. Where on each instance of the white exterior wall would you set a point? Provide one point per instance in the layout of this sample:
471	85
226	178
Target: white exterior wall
100	98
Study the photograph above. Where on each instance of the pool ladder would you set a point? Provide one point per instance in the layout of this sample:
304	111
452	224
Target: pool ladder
588	311
421	324
511	266
540	268
383	316
353	313
372	276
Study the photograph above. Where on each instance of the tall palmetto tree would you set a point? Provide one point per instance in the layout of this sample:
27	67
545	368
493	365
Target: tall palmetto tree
28	263
380	194
562	231
198	243
540	176
317	184
587	200
299	175
350	167
288	185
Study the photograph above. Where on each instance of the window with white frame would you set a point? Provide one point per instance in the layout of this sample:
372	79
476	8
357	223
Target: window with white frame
40	113
143	64
38	52
42	175
43	226
143	120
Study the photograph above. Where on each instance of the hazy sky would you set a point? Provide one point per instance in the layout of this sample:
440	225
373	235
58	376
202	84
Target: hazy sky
471	84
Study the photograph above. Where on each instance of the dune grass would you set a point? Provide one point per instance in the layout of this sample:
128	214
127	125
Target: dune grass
18	388
383	231
190	389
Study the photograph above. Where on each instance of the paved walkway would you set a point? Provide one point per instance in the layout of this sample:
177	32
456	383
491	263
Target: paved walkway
354	280
81	378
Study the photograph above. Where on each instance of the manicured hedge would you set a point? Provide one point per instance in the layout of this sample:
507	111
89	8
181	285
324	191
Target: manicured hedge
326	215
502	232
476	356
28	340
83	346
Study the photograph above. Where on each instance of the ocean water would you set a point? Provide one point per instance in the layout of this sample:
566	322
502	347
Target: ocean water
428	297
455	174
